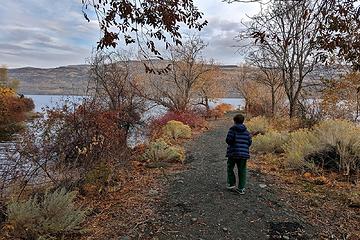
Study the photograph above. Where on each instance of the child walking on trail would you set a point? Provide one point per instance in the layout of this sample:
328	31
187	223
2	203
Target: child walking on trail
239	142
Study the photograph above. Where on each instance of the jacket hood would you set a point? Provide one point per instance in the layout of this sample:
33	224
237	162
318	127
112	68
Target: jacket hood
240	127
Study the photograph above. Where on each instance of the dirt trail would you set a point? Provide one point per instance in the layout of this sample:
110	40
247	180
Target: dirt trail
197	205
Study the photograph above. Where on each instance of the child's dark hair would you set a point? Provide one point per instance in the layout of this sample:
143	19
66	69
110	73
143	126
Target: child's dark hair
239	119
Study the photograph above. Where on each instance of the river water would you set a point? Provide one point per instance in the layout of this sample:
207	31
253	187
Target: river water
42	101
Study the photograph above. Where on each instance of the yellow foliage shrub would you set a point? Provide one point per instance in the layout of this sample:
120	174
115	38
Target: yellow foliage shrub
5	92
160	150
332	143
270	142
175	130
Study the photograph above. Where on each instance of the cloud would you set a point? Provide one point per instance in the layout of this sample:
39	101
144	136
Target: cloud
43	33
225	23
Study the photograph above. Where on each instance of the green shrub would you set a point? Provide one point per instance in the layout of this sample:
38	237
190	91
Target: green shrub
52	216
175	130
270	142
300	144
258	124
159	151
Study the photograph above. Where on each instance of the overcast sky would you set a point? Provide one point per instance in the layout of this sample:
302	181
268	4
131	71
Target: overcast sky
49	33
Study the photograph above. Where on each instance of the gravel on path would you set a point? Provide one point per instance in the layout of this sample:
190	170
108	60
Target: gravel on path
198	206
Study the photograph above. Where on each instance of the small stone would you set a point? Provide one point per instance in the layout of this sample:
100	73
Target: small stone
194	220
225	229
262	185
285	237
153	192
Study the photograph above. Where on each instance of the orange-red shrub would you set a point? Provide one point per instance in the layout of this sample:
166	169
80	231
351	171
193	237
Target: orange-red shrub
13	111
224	107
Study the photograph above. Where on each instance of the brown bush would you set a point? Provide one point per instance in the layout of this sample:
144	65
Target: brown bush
86	135
65	145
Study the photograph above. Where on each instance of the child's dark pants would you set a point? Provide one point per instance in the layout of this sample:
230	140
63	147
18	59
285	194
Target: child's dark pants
241	166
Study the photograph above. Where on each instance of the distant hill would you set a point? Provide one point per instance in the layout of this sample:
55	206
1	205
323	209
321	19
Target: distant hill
70	80
73	79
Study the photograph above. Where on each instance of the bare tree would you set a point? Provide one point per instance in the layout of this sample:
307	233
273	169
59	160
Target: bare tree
244	83
211	86
115	83
269	75
288	31
177	89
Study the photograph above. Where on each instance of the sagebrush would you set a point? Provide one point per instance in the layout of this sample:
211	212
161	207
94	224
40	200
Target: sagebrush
300	144
51	216
332	144
344	137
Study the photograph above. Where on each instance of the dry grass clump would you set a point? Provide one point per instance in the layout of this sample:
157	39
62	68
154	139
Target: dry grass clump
285	124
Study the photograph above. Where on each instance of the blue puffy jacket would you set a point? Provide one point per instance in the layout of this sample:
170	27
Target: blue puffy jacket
239	141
